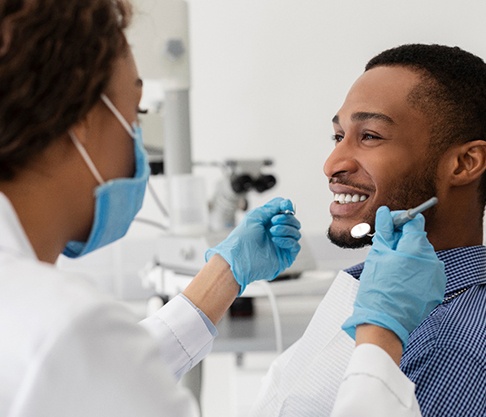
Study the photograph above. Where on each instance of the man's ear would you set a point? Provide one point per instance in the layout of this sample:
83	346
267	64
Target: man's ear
467	162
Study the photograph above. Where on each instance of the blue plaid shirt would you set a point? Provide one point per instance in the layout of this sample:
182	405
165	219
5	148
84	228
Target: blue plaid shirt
446	354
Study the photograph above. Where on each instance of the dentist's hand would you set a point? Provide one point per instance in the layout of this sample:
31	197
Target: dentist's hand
402	280
263	245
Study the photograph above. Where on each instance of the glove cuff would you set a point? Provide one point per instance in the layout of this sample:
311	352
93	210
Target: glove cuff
213	251
365	316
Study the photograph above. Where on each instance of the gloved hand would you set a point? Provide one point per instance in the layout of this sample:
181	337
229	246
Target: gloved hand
402	280
263	245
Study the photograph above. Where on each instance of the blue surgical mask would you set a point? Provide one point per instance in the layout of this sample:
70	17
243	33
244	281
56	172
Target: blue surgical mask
116	201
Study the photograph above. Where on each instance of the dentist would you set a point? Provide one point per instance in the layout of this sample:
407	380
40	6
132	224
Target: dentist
73	173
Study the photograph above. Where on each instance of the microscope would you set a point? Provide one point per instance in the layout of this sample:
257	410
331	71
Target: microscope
240	177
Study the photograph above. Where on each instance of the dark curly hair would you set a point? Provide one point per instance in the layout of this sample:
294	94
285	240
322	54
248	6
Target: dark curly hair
56	58
452	93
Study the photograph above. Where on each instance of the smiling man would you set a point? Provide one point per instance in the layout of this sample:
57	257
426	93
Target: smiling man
384	159
412	126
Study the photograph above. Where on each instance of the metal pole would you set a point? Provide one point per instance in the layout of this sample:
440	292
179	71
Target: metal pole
177	134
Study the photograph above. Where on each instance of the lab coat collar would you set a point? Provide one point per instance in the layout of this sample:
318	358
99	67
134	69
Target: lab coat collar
13	238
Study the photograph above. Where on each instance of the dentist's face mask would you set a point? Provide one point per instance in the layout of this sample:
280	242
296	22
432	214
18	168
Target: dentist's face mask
117	201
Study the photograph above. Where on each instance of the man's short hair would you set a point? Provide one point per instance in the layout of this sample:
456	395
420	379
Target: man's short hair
452	92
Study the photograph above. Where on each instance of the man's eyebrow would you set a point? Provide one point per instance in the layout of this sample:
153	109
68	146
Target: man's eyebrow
139	82
361	116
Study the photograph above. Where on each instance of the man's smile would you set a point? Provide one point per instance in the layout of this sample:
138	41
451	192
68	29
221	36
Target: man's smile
348	199
345	198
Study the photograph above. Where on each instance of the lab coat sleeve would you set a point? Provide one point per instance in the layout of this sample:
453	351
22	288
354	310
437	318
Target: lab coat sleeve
183	336
374	386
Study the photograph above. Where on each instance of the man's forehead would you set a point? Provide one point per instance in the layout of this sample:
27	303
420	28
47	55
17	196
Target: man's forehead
380	93
386	79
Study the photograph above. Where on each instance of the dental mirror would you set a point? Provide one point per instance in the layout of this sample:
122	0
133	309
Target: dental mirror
361	230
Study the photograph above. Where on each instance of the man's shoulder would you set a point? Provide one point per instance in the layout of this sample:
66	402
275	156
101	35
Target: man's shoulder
457	325
355	270
463	324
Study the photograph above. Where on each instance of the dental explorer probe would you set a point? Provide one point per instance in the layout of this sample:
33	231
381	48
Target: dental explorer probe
363	229
291	212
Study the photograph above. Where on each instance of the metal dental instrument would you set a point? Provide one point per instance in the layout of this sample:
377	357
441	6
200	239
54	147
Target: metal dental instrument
291	212
363	229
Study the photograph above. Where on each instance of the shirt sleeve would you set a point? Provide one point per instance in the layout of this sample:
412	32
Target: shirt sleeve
185	338
374	386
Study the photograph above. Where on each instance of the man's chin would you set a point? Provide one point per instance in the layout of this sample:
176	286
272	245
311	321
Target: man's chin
346	241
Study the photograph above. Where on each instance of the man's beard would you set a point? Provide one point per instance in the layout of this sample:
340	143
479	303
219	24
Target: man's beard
414	190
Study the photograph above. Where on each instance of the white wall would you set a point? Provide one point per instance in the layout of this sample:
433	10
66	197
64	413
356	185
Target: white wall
268	76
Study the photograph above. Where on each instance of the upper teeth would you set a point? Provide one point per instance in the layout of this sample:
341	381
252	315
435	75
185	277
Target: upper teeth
349	198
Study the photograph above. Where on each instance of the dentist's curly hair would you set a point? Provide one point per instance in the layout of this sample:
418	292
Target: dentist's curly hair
56	58
452	92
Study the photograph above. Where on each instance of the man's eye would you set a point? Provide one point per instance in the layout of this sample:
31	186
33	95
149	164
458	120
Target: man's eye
337	137
369	136
142	111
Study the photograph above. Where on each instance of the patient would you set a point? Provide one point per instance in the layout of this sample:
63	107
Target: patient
412	126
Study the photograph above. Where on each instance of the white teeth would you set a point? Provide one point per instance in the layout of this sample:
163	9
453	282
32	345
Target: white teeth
349	198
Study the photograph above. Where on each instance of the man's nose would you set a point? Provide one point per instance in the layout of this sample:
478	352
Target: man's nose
341	160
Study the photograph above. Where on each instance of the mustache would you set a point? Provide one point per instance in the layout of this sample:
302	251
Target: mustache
357	186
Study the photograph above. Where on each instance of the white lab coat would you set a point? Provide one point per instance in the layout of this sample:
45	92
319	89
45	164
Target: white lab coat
374	386
66	350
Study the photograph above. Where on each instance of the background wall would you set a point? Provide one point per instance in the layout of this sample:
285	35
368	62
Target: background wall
268	76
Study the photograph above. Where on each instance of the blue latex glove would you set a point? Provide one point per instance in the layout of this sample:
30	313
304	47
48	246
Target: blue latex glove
402	280
263	245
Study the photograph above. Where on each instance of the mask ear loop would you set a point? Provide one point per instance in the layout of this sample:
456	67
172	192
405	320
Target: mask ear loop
118	115
86	158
